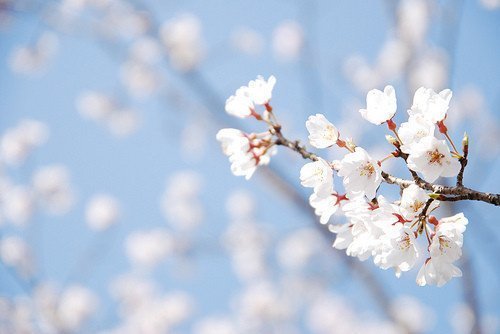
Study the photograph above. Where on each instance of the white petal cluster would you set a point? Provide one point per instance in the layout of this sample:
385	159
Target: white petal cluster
446	248
180	203
433	159
411	132
102	211
103	109
53	189
246	152
380	105
322	133
362	174
433	106
18	142
183	41
258	92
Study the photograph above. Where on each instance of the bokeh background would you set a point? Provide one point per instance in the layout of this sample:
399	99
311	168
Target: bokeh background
118	211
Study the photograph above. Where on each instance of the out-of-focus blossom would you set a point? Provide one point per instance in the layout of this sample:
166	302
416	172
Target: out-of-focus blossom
18	142
103	109
182	38
15	252
413	20
146	50
491	4
430	70
288	40
299	248
18	205
33	58
76	305
140	80
247	41
147	248
422	318
180	203
52	188
240	205
102	211
215	325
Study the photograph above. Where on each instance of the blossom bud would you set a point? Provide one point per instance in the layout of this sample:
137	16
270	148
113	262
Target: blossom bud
391	140
465	144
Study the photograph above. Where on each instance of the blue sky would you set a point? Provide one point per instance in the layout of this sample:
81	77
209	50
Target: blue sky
135	168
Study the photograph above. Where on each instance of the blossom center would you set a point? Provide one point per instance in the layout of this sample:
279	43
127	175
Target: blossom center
435	157
367	170
404	243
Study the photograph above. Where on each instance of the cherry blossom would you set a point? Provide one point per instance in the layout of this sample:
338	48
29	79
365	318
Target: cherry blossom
380	105
414	130
322	133
240	104
433	106
260	90
317	175
433	159
361	173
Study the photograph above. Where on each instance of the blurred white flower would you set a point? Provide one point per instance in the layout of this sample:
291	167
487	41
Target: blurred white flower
53	188
215	325
240	205
146	50
248	41
491	4
180	202
31	59
413	20
298	248
288	40
430	70
15	252
422	318
140	80
76	305
148	248
95	105
18	205
18	142
102	211
182	38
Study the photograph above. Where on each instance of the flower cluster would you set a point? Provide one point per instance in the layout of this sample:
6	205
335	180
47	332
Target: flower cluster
374	226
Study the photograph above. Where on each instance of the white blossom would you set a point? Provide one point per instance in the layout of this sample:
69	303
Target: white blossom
322	133
240	104
414	130
445	248
318	175
362	174
17	142
413	201
182	38
433	106
260	90
52	187
148	248
433	159
77	304
288	40
380	106
246	152
102	211
326	204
